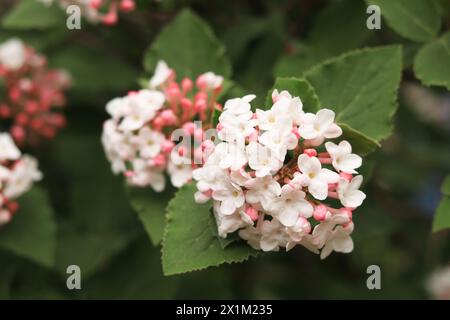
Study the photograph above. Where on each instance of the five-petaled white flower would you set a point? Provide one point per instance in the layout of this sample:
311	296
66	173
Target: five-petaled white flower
161	75
314	176
342	157
349	193
316	127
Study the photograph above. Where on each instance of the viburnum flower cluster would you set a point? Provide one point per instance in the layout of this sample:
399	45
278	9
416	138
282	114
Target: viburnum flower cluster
17	174
275	180
105	11
139	137
32	92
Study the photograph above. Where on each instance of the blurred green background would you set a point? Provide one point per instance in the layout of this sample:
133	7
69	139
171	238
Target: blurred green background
96	228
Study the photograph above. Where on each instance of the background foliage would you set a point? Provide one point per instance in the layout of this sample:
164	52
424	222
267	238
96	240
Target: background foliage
82	214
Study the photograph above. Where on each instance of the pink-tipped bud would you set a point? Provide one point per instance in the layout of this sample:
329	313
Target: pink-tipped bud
110	18
14	93
31	107
201	96
128	173
219	107
186	104
306	226
96	4
189	128
207	145
127	5
18	134
320	212
219	127
186	84
37	124
252	213
168	117
310	152
167	146
346	176
158	123
5	111
22	119
132	92
173	91
200	105
160	160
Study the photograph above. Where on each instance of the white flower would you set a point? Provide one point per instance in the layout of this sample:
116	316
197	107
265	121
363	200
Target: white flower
272	119
317	127
342	156
339	241
5	216
161	75
323	230
262	190
142	107
349	192
12	54
291	205
5	173
209	81
234	156
231	197
314	176
279	141
149	142
117	107
252	236
238	106
229	223
301	228
273	235
144	174
236	127
285	104
22	176
8	149
117	145
180	174
262	160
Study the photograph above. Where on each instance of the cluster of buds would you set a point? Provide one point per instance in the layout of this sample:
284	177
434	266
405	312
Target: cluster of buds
31	92
275	181
139	138
17	174
105	11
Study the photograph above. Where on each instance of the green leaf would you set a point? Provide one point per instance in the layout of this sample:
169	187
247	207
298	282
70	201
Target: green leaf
445	188
296	87
32	14
150	207
416	20
432	62
361	87
189	46
32	231
188	243
441	219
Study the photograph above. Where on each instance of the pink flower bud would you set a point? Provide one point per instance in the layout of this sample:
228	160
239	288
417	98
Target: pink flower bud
200	105
168	117
346	176
110	18
5	111
186	104
22	119
158	123
310	152
31	107
167	146
320	212
127	5
96	4
253	136
295	132
160	160
348	212
128	173
252	213
186	84
189	128
219	127
18	134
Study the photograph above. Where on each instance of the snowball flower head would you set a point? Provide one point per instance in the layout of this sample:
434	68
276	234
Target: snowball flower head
17	174
139	138
270	177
